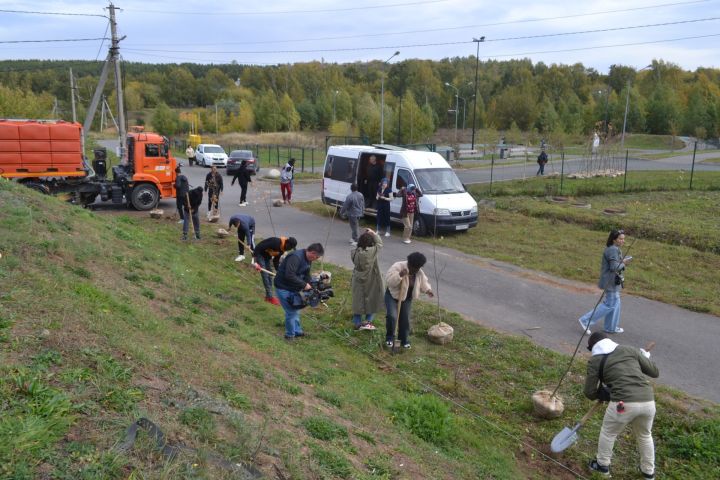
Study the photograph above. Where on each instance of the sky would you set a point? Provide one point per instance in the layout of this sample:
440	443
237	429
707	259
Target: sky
596	34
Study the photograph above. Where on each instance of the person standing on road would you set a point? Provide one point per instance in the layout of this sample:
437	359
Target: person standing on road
625	371
374	175
287	178
353	207
541	160
612	270
384	198
410	206
190	154
243	177
367	281
182	187
267	255
405	282
245	230
293	276
214	186
191	207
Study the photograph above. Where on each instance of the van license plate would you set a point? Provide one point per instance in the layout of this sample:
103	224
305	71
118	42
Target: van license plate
462	227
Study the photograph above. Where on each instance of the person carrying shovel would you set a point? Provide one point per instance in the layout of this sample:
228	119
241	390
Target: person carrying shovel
625	370
267	255
405	281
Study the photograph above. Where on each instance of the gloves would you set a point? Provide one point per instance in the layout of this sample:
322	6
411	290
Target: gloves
603	394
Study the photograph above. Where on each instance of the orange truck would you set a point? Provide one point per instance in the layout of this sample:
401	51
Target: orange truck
47	155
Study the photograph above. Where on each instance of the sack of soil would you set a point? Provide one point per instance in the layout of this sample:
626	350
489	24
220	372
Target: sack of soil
278	202
440	333
222	233
156	213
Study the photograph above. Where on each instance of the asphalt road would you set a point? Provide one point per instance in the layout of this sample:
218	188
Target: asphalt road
502	296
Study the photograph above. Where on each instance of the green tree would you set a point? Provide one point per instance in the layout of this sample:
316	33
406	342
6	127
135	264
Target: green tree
267	112
178	88
165	121
663	109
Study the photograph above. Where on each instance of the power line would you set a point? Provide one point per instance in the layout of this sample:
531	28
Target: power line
54	13
56	40
285	12
431	30
436	44
107	27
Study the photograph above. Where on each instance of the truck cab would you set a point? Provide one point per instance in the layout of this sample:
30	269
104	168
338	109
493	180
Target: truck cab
150	170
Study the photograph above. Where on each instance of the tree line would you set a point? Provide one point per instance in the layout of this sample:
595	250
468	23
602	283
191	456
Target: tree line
420	96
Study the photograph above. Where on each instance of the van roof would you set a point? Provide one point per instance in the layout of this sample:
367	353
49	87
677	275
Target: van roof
412	156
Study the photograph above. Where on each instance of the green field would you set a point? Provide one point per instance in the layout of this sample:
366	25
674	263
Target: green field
108	318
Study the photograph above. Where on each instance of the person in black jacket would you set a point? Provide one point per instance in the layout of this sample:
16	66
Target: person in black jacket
214	186
293	276
375	174
267	255
243	177
191	212
182	187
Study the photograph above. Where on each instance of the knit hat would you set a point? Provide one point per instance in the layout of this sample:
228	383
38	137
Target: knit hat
411	187
595	338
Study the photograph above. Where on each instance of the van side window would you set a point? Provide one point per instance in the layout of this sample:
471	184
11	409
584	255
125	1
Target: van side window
152	150
404	178
340	168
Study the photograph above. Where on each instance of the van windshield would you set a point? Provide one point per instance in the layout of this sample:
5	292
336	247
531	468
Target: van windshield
438	180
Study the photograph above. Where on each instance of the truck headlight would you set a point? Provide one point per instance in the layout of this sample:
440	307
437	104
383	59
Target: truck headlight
442	212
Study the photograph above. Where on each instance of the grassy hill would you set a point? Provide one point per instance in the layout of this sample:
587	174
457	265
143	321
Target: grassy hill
107	318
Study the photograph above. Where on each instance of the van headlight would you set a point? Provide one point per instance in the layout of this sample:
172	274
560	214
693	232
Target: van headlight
442	212
473	210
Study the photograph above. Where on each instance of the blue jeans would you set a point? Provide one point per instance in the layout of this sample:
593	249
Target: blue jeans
292	316
609	308
392	312
266	263
357	319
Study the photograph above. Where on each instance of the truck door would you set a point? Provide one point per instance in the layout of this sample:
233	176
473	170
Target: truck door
157	167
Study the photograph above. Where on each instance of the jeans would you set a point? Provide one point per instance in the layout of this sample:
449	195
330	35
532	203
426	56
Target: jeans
541	169
408	225
179	203
357	318
608	308
392	313
249	235
292	316
640	416
195	221
354	223
266	263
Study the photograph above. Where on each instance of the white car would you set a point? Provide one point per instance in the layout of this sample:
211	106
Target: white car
207	155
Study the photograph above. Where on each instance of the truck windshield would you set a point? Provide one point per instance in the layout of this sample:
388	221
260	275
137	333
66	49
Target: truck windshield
438	180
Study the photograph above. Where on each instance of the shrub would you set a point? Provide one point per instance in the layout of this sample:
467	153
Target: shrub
324	429
426	416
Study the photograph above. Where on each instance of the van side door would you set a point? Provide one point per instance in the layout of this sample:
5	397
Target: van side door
403	177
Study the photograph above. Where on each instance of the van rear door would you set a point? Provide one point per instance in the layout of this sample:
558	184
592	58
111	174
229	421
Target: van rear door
340	172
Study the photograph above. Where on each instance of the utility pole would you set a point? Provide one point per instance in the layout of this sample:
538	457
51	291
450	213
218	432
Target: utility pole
382	98
72	96
113	57
477	64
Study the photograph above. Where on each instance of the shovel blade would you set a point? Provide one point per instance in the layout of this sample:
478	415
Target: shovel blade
566	438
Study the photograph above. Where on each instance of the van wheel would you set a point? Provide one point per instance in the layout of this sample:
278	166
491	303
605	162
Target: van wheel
419	227
145	197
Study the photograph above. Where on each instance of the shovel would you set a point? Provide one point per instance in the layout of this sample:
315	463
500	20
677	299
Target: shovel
568	436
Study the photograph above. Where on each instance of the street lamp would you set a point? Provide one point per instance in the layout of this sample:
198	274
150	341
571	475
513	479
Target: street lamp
464	108
457	96
334	102
477	64
382	99
627	104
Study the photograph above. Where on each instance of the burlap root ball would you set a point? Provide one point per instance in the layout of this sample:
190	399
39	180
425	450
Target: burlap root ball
545	406
440	333
278	202
156	213
222	233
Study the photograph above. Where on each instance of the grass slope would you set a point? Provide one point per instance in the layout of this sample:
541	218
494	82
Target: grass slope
107	318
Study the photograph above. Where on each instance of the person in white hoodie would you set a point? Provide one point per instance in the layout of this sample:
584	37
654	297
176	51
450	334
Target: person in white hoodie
619	375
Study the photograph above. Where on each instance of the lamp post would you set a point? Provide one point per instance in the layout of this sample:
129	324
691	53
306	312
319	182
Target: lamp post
477	64
334	102
382	99
457	96
627	105
464	108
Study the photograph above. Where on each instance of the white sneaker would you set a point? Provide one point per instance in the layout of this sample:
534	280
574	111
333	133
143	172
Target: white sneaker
584	327
240	204
243	204
352	241
406	241
240	258
181	221
353	244
387	234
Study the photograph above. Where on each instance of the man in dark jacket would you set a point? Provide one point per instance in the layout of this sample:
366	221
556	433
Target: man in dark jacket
293	276
353	207
625	371
375	174
214	186
182	187
191	208
267	255
541	160
245	229
243	177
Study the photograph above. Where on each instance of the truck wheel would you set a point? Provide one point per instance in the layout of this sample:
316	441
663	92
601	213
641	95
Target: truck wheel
419	227
144	197
37	186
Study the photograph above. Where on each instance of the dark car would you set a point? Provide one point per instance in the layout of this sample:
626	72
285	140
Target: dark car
235	159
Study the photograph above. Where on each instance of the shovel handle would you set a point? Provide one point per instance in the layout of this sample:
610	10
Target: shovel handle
589	413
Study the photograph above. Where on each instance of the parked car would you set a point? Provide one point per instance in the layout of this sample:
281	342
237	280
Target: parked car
237	156
207	155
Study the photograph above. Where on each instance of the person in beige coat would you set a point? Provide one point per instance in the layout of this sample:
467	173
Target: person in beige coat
367	281
405	282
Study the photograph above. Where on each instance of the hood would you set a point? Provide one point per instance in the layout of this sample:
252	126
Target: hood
604	346
452	201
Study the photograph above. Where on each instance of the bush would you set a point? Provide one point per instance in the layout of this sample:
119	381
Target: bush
324	429
426	416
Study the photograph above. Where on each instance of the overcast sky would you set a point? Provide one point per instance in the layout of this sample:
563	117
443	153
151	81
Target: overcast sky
344	31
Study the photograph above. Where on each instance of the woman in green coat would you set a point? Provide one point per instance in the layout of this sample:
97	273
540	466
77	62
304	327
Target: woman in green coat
368	288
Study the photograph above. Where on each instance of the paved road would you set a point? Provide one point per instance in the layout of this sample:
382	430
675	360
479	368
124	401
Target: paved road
503	296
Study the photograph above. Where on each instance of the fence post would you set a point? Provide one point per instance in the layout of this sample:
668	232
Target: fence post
277	151
302	160
492	167
692	169
627	152
562	169
312	156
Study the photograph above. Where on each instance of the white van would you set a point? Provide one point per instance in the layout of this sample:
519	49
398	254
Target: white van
444	205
